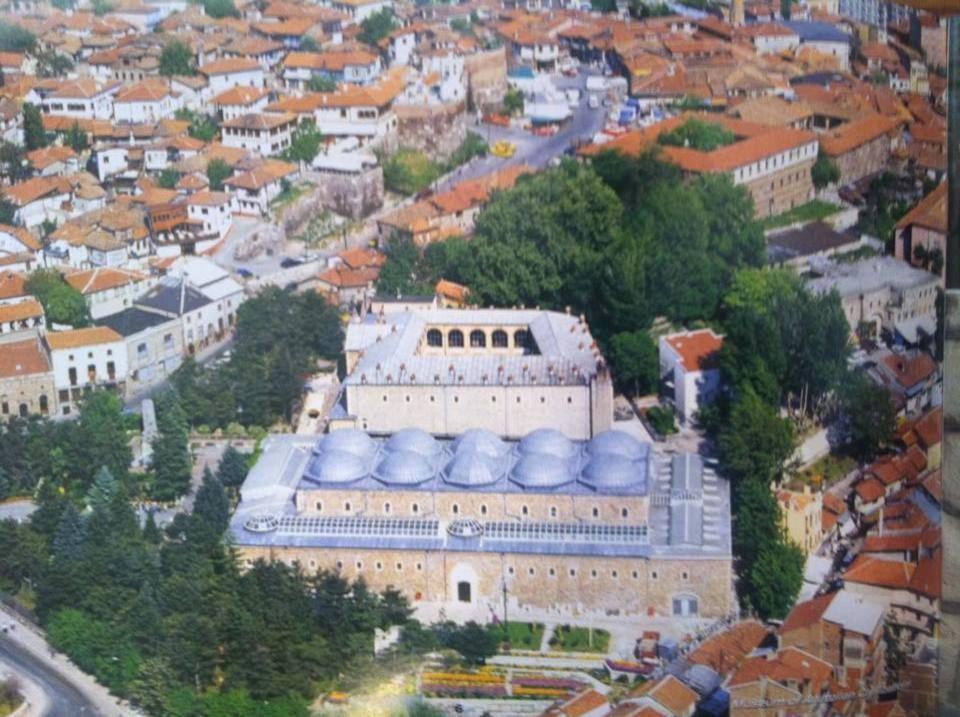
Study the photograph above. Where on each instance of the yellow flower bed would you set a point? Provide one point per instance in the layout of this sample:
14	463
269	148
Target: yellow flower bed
462	678
540	692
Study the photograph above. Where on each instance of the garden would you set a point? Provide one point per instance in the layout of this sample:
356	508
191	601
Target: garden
580	639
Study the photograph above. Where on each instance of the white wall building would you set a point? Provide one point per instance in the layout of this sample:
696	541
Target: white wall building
95	357
688	364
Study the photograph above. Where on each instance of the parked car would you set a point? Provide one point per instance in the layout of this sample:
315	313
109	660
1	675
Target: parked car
245	273
289	262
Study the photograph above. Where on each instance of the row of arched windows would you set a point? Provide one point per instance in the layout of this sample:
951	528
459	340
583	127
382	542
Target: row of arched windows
499	339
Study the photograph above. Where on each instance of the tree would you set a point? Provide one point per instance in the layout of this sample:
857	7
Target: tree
61	302
16	38
824	172
23	554
171	457
775	579
635	362
220	8
474	642
698	134
34	136
168	178
8	211
321	83
376	26
394	608
211	510
305	143
51	63
202	126
755	443
513	101
218	171
232	469
309	44
102	491
77	138
176	59
785	9
871	415
102	7
101	439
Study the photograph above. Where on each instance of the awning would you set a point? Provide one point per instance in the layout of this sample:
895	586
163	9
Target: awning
912	330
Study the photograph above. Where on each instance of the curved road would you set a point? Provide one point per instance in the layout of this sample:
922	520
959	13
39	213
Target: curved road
63	699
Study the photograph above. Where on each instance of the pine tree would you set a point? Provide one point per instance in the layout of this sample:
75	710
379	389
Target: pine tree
171	457
211	511
232	469
102	491
68	540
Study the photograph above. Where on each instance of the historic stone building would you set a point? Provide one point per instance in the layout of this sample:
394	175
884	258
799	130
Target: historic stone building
476	524
444	371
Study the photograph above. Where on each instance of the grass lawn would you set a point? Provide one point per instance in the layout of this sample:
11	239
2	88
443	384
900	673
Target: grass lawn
579	639
409	171
525	635
811	211
824	473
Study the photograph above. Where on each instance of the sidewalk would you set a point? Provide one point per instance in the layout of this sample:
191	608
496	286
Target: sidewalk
32	641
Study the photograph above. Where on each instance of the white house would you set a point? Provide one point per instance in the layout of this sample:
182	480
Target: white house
251	192
40	199
173	297
109	290
267	134
154	346
148	101
239	101
357	67
233	72
214	283
95	357
688	367
359	10
82	99
401	46
212	211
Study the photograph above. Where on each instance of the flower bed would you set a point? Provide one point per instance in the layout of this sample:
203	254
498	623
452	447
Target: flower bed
547	682
462	678
450	690
540	692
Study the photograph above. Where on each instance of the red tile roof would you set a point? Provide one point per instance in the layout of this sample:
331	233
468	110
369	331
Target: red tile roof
698	350
850	136
23	358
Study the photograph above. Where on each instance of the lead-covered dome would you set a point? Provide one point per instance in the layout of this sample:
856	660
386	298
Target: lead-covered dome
617	443
470	469
348	440
413	440
547	441
612	471
335	466
403	468
479	440
541	470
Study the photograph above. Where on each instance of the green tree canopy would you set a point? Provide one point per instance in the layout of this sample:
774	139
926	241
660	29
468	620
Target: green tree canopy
218	171
775	579
305	143
61	302
635	362
824	172
34	136
16	38
377	26
871	415
220	8
176	59
698	134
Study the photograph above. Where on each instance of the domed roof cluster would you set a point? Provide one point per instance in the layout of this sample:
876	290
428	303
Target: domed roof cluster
543	460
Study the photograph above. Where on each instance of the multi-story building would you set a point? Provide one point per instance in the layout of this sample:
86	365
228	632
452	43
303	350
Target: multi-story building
22	318
921	236
689	368
863	146
266	134
509	371
84	360
802	514
883	294
26	379
83	99
773	163
148	101
154	346
876	13
108	290
477	525
223	75
356	67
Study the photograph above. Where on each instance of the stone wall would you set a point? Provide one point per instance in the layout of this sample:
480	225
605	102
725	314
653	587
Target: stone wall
782	190
349	195
436	130
487	78
567	585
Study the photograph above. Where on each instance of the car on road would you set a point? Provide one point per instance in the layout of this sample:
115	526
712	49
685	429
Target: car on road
504	149
289	262
245	273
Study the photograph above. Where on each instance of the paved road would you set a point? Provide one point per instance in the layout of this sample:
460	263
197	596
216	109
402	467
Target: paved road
63	699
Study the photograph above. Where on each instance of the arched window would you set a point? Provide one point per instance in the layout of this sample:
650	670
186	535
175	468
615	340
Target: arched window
500	340
434	337
521	337
478	339
455	339
44	407
24	410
